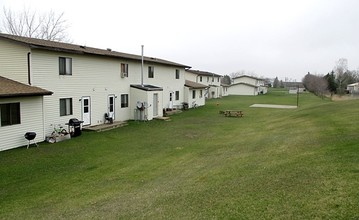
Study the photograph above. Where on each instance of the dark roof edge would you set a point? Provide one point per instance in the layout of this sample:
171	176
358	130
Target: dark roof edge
14	95
78	49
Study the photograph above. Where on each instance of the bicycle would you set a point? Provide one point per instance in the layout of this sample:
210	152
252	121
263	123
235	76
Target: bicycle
57	132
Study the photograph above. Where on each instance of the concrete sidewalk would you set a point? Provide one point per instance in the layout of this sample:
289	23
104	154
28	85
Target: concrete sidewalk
273	106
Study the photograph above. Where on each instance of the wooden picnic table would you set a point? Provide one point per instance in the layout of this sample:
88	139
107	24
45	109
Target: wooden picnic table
233	113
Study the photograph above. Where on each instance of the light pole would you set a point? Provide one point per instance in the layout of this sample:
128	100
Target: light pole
297	96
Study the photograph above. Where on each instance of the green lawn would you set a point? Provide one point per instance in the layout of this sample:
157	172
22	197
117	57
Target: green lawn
271	164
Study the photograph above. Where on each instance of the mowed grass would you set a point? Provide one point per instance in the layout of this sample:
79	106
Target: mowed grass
271	164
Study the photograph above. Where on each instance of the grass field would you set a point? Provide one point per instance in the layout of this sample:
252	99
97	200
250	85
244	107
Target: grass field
271	164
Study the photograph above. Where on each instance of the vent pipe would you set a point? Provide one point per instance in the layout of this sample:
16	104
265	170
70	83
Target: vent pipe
142	65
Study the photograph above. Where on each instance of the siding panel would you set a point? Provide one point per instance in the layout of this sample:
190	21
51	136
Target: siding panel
31	120
13	61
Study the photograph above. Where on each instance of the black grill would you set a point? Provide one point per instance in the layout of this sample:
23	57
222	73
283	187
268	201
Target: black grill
75	127
30	136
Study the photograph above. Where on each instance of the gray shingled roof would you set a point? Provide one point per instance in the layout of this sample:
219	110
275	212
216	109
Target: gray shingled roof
194	85
11	88
253	77
78	49
203	73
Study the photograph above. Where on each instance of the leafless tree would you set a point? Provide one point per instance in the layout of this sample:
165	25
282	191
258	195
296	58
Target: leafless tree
341	75
316	84
241	73
27	23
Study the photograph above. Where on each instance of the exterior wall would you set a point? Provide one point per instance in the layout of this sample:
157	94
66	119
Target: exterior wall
191	76
263	89
353	88
98	78
164	76
93	77
138	95
242	89
198	100
248	80
13	61
31	119
224	91
214	83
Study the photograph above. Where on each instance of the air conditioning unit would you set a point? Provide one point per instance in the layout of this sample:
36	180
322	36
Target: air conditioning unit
123	75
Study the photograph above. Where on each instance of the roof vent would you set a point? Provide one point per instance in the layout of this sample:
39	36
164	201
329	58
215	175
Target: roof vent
109	49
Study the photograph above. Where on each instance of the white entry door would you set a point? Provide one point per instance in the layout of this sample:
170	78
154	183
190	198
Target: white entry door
86	110
111	106
155	104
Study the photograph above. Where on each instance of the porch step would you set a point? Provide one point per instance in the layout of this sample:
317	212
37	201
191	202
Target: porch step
163	118
105	127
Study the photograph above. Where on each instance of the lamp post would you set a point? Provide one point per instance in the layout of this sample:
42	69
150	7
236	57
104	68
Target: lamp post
297	96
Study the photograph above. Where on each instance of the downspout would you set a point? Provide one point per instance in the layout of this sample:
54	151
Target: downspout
29	68
43	119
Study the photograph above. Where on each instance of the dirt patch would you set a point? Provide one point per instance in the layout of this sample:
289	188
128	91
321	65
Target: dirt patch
343	97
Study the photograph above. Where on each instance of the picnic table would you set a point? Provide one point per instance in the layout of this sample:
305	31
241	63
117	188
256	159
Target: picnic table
233	113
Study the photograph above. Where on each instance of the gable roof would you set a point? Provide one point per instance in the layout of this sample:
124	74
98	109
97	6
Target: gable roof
246	84
253	77
194	85
203	73
78	49
11	88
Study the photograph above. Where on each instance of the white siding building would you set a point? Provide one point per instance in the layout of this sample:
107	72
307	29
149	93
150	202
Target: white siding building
247	85
87	83
212	80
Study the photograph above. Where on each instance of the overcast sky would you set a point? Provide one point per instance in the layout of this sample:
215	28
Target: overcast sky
284	38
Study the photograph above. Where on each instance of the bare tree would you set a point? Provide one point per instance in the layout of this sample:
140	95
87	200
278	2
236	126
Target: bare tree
241	73
316	84
341	74
47	26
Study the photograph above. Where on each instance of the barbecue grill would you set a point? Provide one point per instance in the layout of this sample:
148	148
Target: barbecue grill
30	136
74	127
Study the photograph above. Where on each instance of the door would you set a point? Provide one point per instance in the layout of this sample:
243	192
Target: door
86	110
171	100
155	104
111	106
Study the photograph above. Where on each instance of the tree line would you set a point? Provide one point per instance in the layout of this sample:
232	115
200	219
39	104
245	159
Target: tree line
334	82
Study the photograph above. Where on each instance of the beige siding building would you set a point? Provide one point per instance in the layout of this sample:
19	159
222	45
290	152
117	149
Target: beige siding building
86	83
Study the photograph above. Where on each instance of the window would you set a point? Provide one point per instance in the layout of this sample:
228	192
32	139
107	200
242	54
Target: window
193	94
177	74
177	95
124	70
200	78
10	114
65	107
200	93
217	79
124	100
207	78
151	71
65	66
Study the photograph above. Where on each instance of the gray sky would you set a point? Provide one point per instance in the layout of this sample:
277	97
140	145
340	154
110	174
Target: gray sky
284	38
